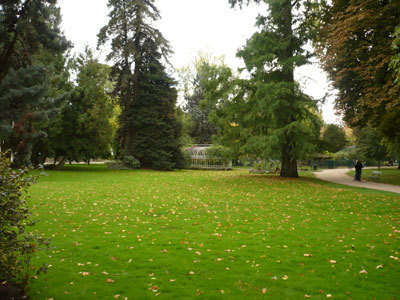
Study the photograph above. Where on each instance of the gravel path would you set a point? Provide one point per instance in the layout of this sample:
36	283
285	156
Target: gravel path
340	176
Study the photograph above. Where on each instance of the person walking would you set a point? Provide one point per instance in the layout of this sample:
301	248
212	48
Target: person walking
358	167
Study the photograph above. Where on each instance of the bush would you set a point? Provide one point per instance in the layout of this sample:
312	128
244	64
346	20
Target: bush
187	160
128	163
16	245
131	162
116	165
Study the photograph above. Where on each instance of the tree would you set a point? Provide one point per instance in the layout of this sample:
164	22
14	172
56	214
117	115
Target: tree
30	43
26	28
334	138
201	129
354	42
369	144
268	116
84	129
149	129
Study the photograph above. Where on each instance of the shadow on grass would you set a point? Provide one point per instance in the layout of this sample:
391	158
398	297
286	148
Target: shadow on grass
98	168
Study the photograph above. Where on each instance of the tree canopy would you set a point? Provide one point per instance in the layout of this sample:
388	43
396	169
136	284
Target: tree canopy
354	42
149	129
268	116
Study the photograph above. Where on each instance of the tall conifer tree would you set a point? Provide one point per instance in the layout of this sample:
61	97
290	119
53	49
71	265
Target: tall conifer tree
149	129
31	49
268	113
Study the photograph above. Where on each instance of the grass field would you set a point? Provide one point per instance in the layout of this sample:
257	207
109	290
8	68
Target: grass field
389	176
189	234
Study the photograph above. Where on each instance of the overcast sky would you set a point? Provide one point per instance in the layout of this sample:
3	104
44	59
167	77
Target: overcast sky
191	26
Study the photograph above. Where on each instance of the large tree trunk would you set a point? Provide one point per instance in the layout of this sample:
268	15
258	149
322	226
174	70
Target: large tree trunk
289	163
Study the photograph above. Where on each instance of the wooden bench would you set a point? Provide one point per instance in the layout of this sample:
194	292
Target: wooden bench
375	176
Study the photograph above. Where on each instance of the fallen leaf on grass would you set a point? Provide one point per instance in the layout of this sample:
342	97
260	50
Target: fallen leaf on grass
379	267
285	277
363	272
110	280
307	296
264	290
307	255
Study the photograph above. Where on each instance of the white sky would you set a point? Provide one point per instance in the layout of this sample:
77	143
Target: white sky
191	26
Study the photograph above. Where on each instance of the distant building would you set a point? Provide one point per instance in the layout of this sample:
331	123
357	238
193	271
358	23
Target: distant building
200	160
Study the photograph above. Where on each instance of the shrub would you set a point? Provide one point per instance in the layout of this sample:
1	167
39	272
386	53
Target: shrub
131	162
16	245
187	159
128	163
116	165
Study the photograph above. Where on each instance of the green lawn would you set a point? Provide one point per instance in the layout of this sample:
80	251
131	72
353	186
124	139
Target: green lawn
389	176
189	234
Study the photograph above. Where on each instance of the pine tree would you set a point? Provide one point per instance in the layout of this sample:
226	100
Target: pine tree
30	46
268	116
148	129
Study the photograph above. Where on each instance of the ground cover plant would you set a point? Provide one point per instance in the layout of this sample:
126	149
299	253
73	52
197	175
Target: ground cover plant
139	234
389	176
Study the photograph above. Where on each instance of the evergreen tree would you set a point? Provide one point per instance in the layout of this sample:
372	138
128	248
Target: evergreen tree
149	129
268	116
30	43
26	28
83	130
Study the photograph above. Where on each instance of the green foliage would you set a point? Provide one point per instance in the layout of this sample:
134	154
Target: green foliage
188	159
369	144
149	129
187	124
131	162
334	138
219	152
267	116
201	129
127	163
16	245
30	45
355	44
395	62
23	98
26	28
84	130
349	153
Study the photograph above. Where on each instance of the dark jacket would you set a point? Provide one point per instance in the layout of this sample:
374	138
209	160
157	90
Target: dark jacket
358	166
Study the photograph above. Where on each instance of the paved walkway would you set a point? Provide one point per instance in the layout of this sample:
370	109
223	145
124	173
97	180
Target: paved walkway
340	176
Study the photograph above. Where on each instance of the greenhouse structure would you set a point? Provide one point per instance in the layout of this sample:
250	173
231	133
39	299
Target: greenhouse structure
200	160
